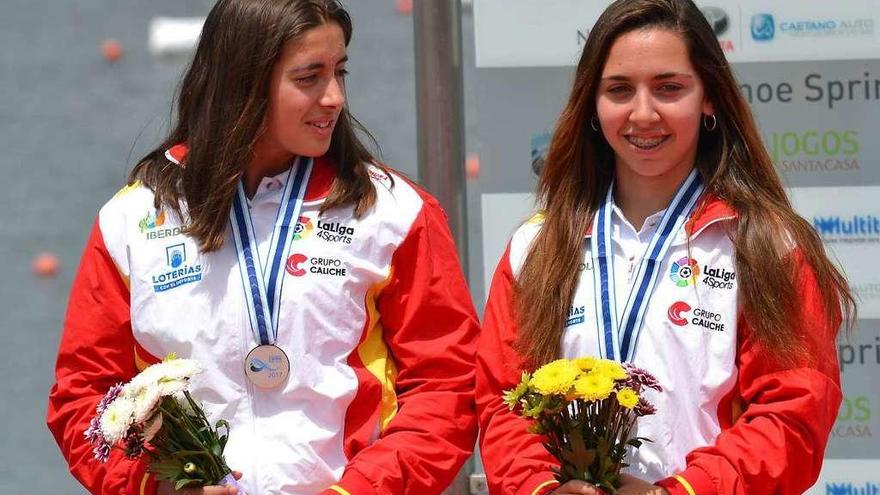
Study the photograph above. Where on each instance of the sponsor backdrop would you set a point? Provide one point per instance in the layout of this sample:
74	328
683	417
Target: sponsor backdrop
811	72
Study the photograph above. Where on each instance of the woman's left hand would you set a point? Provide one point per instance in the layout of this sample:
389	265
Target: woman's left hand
630	485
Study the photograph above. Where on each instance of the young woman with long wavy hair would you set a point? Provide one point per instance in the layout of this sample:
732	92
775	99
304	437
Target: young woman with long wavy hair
314	284
665	238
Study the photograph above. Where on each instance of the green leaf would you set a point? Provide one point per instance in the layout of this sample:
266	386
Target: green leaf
186	483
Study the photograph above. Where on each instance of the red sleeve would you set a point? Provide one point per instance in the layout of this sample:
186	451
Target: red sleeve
96	352
778	443
431	329
515	461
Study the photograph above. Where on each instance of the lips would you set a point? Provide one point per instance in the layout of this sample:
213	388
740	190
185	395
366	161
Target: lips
646	143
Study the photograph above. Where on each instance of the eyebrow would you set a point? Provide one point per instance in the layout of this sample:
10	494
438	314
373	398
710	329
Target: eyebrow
315	65
664	75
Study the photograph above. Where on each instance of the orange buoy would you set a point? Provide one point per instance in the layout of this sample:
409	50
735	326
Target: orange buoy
472	166
111	50
404	6
46	265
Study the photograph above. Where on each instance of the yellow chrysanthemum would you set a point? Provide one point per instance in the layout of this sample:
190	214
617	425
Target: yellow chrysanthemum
586	363
556	377
627	397
611	369
594	386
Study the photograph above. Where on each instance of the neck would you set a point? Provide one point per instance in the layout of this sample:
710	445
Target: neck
639	197
259	168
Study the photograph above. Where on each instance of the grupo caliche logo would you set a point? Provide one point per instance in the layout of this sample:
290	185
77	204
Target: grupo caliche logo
683	314
299	264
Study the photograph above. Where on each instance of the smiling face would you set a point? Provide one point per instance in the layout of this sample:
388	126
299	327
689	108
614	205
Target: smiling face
650	102
306	96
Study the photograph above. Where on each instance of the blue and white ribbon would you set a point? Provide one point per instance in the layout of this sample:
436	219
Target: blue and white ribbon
263	284
619	334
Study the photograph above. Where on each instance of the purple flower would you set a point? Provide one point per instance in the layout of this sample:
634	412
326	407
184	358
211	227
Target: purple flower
102	451
93	432
644	408
109	397
639	378
134	444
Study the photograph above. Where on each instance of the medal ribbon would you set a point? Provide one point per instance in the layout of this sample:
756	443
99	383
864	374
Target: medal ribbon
263	284
619	337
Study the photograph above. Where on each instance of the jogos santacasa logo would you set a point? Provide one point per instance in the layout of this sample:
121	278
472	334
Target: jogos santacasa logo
299	265
678	315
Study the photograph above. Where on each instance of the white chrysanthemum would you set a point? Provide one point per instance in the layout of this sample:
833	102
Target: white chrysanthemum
152	427
179	369
145	397
172	387
117	419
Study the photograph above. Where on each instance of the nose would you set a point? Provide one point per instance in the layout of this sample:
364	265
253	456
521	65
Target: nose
334	93
644	111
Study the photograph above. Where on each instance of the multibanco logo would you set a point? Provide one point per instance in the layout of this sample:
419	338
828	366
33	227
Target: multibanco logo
335	232
710	320
848	229
852	489
299	265
816	150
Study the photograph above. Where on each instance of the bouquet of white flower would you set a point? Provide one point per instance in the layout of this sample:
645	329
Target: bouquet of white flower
155	414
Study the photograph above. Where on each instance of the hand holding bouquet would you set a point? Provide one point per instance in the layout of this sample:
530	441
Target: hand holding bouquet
586	408
155	414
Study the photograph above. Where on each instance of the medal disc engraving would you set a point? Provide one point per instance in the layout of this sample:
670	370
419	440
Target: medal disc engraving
266	366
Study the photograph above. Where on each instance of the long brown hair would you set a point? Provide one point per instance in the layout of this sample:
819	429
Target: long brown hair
732	162
221	108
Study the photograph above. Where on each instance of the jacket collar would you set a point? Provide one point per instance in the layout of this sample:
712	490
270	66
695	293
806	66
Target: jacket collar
709	210
320	182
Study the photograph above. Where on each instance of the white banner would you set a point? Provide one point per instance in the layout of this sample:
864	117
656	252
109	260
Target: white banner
552	33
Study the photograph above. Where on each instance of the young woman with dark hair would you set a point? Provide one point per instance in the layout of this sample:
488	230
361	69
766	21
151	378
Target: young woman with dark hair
663	222
262	236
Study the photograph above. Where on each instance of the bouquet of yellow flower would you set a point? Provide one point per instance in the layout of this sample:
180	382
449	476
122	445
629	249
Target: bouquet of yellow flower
586	408
155	414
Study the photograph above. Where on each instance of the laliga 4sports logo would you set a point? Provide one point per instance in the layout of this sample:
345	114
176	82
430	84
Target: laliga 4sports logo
682	314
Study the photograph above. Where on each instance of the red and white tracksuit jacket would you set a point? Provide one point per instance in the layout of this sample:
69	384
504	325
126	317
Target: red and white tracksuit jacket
728	422
376	319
